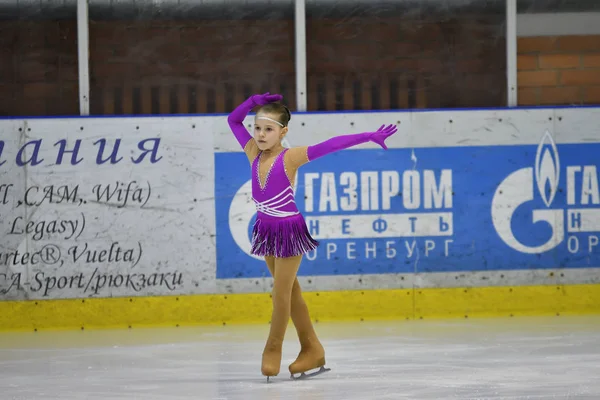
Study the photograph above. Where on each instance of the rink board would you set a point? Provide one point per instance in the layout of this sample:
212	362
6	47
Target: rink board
146	221
254	308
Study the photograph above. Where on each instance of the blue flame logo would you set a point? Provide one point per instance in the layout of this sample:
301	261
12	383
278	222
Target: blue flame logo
547	169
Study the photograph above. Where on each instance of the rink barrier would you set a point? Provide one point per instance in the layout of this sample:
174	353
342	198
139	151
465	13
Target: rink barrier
363	305
462	260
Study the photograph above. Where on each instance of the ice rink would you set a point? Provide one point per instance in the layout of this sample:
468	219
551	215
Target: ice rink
517	358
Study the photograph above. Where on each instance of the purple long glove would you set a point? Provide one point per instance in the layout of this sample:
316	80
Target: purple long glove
236	118
345	141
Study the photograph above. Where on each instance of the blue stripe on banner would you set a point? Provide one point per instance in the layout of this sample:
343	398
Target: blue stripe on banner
428	210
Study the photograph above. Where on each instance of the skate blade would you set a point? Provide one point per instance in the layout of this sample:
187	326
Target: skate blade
304	375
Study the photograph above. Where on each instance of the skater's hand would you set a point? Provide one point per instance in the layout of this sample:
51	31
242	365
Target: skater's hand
266	98
383	133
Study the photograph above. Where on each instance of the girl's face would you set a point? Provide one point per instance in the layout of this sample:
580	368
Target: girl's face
268	133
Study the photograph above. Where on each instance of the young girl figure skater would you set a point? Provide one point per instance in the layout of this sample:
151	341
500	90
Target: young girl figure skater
280	234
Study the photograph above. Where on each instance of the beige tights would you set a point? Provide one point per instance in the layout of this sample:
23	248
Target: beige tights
288	301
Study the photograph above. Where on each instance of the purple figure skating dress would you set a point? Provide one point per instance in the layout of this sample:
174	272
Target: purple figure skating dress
280	230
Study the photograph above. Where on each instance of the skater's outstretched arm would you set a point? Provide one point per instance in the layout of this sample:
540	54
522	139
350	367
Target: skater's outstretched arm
236	120
345	141
301	155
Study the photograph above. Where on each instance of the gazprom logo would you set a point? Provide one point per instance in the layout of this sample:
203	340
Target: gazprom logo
518	189
547	169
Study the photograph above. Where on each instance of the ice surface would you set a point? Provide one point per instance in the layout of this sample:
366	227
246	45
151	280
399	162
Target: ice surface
518	358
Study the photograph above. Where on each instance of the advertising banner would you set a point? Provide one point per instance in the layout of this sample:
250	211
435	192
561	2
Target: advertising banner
434	209
105	207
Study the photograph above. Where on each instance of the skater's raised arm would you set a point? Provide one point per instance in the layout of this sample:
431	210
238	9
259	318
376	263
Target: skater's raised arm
302	155
237	116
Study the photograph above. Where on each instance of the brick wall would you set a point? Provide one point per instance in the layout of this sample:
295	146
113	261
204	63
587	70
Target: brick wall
151	67
38	68
188	67
356	63
559	70
383	63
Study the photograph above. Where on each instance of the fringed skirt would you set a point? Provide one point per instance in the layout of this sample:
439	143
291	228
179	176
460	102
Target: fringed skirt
281	237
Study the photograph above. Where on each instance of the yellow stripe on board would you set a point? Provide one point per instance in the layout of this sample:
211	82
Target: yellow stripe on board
359	305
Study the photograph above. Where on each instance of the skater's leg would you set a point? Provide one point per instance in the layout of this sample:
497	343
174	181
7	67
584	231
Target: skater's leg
300	314
312	354
285	270
299	310
271	265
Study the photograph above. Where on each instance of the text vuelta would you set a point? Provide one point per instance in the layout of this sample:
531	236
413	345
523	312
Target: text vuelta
80	254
